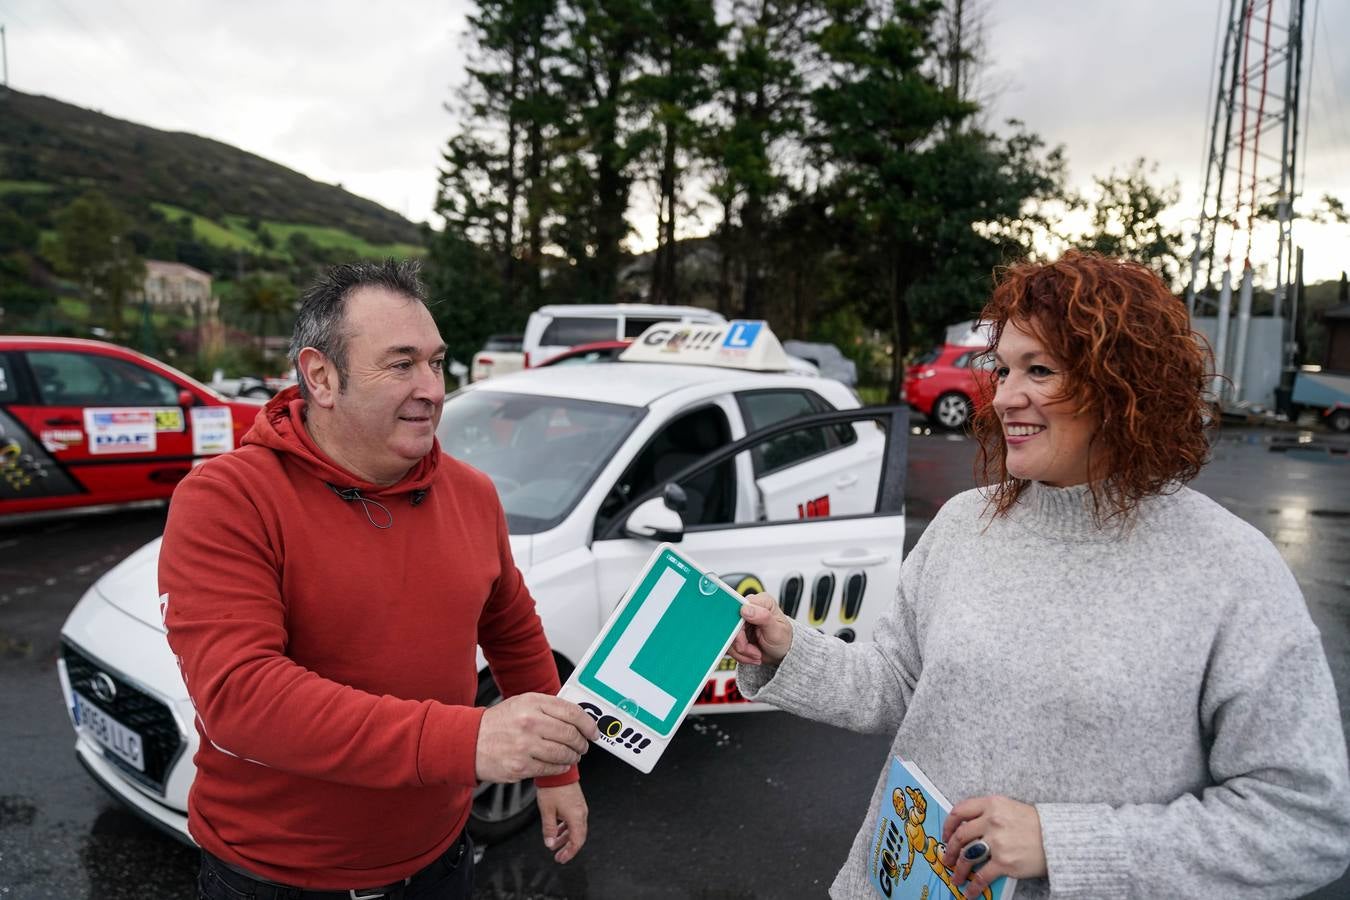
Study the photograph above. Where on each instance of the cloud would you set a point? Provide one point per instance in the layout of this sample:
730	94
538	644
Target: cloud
350	92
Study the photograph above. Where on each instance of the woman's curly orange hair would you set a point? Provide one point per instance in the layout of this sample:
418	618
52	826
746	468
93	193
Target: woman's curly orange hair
1128	354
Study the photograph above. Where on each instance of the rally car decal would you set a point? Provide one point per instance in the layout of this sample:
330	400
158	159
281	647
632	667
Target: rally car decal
120	430
57	439
170	418
26	468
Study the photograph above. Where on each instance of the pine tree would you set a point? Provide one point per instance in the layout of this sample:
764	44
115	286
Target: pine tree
93	247
761	115
495	189
682	55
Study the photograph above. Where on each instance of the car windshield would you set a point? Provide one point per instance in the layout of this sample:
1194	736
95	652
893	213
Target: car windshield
542	453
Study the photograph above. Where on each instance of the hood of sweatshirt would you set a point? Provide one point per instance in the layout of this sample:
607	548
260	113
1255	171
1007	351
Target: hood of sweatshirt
131	584
281	427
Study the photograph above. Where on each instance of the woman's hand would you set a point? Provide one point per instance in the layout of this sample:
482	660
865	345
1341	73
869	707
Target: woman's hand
767	635
1011	829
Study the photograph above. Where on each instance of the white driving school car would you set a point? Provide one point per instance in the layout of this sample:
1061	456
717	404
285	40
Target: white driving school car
698	434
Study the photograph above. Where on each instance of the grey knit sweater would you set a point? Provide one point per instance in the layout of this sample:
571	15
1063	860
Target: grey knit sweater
1158	692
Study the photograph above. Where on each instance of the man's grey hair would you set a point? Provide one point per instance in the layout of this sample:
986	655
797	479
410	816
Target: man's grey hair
323	306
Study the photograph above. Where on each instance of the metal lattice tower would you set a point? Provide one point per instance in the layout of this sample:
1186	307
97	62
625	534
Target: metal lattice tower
1249	179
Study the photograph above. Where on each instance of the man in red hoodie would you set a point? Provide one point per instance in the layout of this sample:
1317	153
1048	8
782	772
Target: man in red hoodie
324	588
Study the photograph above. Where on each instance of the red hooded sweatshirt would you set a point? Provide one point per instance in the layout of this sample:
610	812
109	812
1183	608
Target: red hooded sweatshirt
332	660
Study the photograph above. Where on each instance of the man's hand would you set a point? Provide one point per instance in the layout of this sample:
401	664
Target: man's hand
563	812
530	735
767	635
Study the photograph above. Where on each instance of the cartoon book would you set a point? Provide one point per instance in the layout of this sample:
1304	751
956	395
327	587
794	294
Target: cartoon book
905	862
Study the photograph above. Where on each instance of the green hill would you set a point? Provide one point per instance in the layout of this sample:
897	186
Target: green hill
50	152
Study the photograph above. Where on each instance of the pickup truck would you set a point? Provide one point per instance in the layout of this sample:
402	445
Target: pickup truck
501	355
1326	391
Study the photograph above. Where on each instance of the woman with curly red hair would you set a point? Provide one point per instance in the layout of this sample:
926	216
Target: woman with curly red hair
1117	678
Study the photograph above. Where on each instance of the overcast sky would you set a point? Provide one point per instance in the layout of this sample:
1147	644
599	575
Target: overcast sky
351	93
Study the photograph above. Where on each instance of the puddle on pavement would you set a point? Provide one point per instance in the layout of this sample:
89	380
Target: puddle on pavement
1298	514
1305	445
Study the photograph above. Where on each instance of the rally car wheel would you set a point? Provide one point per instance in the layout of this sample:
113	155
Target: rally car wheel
1339	420
952	411
500	810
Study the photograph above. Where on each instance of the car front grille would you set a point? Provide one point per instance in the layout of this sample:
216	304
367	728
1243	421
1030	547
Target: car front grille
161	741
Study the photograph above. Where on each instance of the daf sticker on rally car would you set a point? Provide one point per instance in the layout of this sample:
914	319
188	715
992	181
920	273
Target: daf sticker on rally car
653	658
212	430
120	430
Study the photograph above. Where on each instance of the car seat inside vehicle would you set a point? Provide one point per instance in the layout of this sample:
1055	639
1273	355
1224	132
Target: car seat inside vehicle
711	493
50	385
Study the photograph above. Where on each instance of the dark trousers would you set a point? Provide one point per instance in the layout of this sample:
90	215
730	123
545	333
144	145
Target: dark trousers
448	877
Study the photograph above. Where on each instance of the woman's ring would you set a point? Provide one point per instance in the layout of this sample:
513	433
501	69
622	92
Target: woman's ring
976	852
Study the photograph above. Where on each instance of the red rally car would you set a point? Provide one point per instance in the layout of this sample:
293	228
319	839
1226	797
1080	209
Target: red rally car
85	422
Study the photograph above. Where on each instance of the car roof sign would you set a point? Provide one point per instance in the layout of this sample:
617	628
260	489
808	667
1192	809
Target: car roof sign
739	344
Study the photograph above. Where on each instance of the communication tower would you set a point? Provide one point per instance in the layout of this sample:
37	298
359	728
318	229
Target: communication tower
1249	183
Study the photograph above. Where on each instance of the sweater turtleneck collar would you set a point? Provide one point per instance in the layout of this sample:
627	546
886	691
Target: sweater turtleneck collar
1065	514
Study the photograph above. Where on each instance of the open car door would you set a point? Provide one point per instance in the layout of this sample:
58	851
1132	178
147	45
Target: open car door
832	563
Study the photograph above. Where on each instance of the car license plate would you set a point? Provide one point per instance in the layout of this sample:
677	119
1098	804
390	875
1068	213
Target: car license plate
124	743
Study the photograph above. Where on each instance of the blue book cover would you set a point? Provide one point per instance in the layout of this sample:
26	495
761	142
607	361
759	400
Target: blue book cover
905	862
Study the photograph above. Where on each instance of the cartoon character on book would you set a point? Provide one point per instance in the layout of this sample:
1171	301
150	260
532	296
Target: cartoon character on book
929	847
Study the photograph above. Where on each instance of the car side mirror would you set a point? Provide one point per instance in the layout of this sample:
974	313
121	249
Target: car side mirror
655	520
674	497
185	398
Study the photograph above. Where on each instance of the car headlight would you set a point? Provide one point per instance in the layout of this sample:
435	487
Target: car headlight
925	373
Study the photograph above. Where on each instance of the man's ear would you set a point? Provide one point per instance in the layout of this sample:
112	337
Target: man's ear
321	377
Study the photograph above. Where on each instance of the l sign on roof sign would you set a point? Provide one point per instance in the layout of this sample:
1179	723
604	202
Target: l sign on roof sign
649	663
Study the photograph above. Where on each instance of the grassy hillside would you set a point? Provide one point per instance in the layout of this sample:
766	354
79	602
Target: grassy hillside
53	148
260	230
234	233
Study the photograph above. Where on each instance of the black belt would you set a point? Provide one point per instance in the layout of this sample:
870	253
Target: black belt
262	889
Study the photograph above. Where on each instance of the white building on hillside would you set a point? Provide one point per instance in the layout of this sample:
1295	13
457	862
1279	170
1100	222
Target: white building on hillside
178	284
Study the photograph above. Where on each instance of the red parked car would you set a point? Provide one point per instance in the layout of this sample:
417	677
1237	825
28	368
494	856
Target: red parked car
84	423
944	385
596	351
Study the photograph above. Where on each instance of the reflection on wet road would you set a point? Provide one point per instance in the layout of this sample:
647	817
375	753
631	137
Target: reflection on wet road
747	807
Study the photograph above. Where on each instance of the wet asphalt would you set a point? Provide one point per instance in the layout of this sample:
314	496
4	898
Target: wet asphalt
742	806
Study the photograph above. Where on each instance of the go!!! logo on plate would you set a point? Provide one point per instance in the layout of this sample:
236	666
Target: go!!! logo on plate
614	732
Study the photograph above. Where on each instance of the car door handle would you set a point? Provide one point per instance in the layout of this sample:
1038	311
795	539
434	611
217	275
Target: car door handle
845	562
63	420
846	481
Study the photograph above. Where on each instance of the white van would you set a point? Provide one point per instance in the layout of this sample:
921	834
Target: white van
553	329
